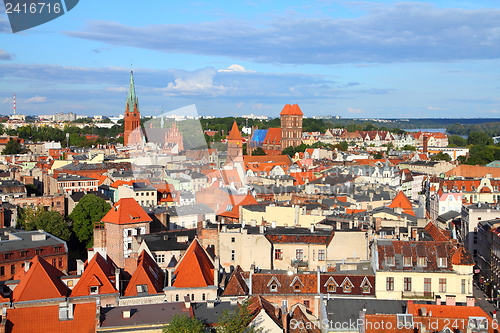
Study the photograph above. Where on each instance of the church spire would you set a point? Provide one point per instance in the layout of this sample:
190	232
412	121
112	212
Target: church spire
132	97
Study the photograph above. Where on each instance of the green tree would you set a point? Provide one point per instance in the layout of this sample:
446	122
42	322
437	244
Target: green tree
378	156
89	209
409	147
441	157
456	141
50	221
258	152
184	324
290	151
13	147
237	321
479	138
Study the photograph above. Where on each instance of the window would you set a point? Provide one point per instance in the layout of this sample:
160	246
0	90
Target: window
407	261
7	256
366	288
299	254
442	285
177	297
284	303
229	208
232	255
389	283
405	320
314	255
192	297
142	288
38	251
442	262
390	261
233	240
278	254
70	283
321	255
12	269
463	286
203	297
160	258
60	262
296	287
421	261
306	303
427	285
94	290
24	253
54	262
347	287
56	249
407	284
129	246
273	288
2	271
331	288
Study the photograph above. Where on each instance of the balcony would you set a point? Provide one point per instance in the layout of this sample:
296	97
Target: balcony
417	295
299	263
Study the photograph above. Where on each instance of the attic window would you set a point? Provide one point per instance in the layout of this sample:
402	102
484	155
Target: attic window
331	288
142	289
94	290
390	261
273	288
422	262
407	261
229	208
442	262
296	287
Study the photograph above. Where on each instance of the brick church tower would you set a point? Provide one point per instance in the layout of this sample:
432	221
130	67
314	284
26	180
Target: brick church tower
234	142
132	134
291	126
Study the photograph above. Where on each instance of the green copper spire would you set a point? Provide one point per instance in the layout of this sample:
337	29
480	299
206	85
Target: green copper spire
132	98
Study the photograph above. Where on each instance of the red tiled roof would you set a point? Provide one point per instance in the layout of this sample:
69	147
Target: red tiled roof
236	285
46	319
436	233
462	257
402	201
40	282
302	324
231	207
258	303
473	171
147	273
302	239
273	136
99	273
285	284
195	269
291	110
126	211
234	134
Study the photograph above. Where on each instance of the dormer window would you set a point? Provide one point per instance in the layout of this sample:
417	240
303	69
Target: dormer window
273	288
407	261
296	287
366	286
142	289
442	262
331	288
421	261
94	290
347	285
390	261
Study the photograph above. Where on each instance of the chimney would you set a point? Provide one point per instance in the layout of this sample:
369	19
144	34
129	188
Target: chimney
216	271
261	229
210	304
273	224
438	300
471	301
187	302
250	283
423	311
26	265
79	267
311	228
117	278
234	300
424	150
450	300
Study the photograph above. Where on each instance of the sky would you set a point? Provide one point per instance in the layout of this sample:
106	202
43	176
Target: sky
355	59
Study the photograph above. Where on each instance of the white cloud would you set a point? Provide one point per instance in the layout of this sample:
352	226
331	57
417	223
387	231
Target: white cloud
354	111
236	68
260	106
199	82
7	100
437	108
36	99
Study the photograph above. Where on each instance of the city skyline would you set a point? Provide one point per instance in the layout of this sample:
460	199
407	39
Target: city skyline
381	59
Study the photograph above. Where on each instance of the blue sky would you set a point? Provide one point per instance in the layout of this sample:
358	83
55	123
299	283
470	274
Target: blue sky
382	59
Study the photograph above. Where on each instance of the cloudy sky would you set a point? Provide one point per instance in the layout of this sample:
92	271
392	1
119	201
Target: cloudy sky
356	59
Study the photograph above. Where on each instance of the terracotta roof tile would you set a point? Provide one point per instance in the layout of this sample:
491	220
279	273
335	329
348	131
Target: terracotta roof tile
126	211
147	273
234	134
402	201
291	110
462	257
236	285
195	269
99	273
40	282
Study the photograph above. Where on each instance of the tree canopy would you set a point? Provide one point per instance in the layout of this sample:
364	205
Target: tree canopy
184	324
89	209
13	147
258	152
237	321
50	221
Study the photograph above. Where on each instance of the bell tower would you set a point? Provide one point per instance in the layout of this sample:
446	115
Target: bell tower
132	132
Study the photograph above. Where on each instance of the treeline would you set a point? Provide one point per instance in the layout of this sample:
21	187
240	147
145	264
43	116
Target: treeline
491	129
